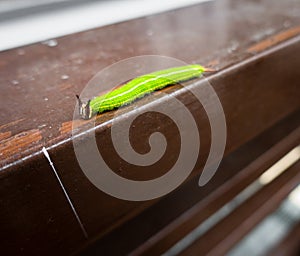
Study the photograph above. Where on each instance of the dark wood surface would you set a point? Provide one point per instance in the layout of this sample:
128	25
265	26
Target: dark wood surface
213	201
159	227
221	34
254	45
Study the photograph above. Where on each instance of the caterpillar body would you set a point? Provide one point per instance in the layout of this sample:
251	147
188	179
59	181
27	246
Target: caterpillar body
137	88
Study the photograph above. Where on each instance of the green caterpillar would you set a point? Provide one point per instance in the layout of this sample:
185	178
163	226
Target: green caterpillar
137	88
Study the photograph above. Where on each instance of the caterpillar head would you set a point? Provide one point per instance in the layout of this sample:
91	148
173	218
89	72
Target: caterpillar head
85	110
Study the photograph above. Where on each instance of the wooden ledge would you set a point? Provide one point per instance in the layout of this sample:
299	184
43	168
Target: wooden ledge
253	47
